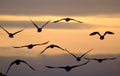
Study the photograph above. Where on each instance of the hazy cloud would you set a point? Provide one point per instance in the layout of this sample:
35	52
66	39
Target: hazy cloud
59	7
107	68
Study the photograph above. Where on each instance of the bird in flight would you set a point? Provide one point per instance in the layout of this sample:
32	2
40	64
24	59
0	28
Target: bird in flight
100	60
17	62
30	46
80	57
101	36
1	74
52	46
68	68
11	35
39	29
67	20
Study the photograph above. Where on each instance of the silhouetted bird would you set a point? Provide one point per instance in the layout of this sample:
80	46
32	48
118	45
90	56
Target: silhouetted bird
11	35
67	20
52	46
1	74
39	29
17	62
68	68
101	36
100	60
30	46
78	58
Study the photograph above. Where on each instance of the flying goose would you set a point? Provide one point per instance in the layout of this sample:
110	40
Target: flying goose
101	36
67	20
52	46
11	35
17	62
80	57
100	60
30	46
39	29
68	68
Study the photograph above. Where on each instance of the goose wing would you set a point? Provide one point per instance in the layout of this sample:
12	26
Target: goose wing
80	64
59	47
108	32
34	24
45	24
94	33
70	53
18	31
86	53
10	66
41	43
76	20
21	46
28	65
59	20
5	30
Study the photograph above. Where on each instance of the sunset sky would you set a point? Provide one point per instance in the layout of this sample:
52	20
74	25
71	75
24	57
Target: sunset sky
96	15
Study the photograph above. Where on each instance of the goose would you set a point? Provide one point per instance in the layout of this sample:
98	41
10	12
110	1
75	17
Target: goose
39	29
30	46
80	57
68	68
67	20
17	62
11	35
100	60
52	46
101	36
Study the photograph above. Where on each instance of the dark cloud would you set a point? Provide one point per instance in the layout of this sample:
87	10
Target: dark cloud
107	68
61	7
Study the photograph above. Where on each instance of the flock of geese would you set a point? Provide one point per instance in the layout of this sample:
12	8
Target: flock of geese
66	68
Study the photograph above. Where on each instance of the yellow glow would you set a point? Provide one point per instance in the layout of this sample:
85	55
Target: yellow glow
97	20
76	41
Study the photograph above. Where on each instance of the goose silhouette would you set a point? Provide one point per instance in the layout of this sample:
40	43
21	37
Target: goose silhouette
68	68
17	62
1	74
100	60
39	29
52	46
30	46
67	20
78	58
101	36
11	35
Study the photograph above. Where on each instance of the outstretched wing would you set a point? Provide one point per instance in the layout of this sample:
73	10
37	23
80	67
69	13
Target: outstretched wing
86	53
18	31
10	67
59	20
110	58
108	32
45	24
45	49
80	64
5	30
59	47
70	53
28	65
50	67
94	33
34	24
21	46
76	20
42	43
